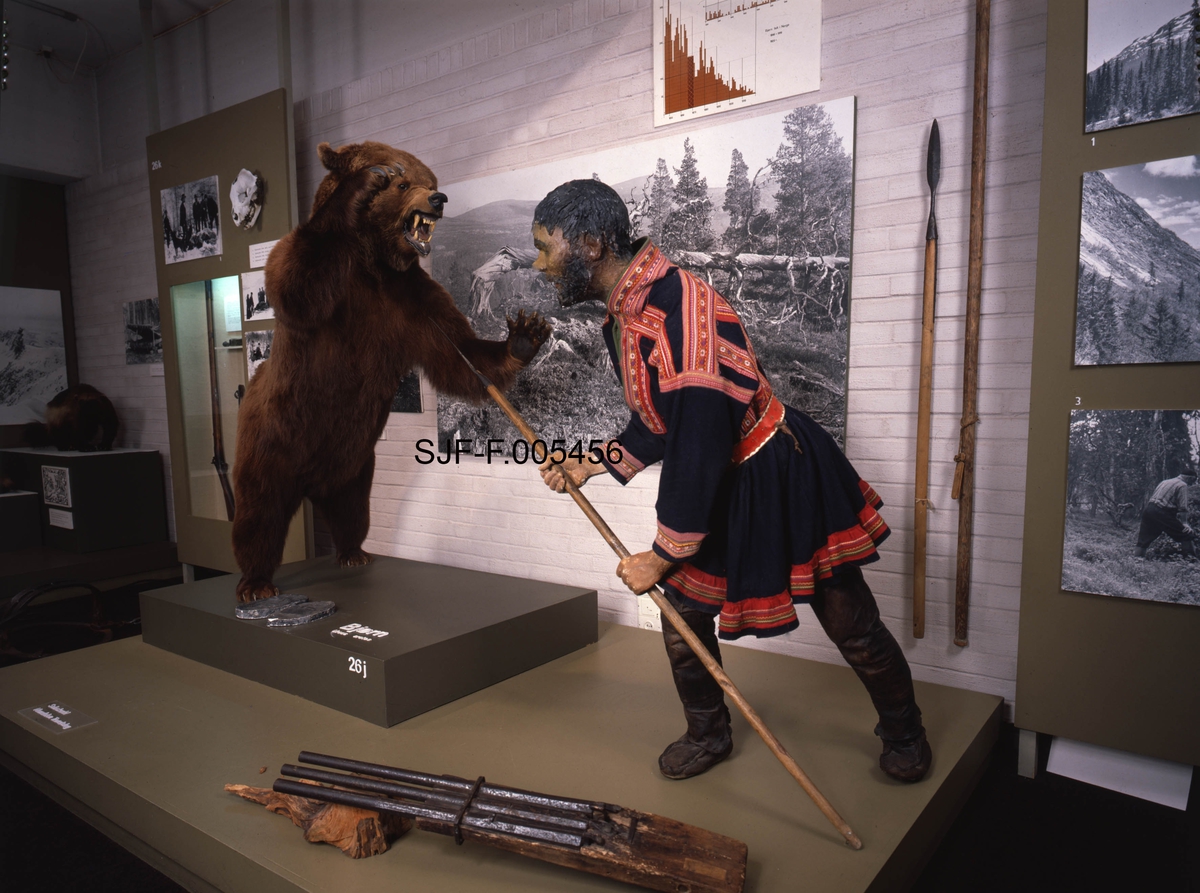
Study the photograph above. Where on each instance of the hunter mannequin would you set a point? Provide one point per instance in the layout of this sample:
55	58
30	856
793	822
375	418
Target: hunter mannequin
757	508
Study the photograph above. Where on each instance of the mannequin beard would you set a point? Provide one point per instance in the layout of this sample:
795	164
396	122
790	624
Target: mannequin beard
574	285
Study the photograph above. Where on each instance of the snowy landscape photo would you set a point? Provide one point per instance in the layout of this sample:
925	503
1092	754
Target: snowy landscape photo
761	208
1138	292
258	350
255	305
33	353
191	221
1141	62
1118	461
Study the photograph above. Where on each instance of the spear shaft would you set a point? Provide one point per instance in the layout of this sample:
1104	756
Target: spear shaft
933	172
673	617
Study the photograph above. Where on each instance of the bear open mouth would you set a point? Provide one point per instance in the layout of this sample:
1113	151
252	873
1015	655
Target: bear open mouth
419	232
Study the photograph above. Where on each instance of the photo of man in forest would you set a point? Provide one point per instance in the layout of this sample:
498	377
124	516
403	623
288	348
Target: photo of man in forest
1130	480
1167	512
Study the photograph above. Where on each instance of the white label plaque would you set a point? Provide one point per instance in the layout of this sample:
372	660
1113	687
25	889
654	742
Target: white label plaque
259	252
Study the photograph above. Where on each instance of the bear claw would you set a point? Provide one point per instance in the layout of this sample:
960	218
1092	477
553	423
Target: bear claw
254	589
357	558
526	335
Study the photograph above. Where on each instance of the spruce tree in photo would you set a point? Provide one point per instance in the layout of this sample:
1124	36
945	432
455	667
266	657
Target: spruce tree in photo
661	191
689	225
739	202
812	213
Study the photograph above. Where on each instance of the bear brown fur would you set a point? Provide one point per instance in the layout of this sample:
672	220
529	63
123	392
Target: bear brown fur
354	312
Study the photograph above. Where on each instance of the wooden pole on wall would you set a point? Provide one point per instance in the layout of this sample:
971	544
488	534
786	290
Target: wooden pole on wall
964	470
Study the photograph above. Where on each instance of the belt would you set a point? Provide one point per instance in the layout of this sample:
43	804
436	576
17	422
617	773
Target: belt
764	429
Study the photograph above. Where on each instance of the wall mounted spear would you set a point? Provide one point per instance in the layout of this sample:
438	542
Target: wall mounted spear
933	173
964	470
673	617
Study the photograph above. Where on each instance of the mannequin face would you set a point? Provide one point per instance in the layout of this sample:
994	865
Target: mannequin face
562	265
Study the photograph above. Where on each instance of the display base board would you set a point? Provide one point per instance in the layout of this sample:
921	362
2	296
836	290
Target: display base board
90	501
20	523
171	732
407	636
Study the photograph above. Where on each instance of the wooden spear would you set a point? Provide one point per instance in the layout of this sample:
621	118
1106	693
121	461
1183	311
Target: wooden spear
933	172
673	617
964	470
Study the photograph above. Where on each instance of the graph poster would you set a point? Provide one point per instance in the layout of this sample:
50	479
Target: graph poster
715	55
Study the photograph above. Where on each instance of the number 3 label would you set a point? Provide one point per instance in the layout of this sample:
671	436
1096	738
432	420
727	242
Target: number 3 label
358	667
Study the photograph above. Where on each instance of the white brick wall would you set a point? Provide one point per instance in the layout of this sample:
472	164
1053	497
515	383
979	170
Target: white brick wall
510	90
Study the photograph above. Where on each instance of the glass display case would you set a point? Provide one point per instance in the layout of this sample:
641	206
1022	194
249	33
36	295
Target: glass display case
212	379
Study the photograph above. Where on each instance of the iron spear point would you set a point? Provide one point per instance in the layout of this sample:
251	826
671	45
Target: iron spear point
933	173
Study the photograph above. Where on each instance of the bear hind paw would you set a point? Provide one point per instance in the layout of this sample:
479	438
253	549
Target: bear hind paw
355	558
254	588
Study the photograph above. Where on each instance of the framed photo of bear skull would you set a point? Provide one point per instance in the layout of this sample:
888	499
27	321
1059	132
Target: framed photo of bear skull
191	221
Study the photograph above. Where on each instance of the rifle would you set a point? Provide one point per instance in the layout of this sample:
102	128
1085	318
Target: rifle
218	459
636	847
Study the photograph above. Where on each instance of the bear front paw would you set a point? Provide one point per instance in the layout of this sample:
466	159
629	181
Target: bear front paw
526	335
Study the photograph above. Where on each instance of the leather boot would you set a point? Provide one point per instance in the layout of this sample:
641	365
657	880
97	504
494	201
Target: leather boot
846	610
707	740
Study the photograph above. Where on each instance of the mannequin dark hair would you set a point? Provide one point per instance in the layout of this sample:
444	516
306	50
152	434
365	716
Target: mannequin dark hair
587	207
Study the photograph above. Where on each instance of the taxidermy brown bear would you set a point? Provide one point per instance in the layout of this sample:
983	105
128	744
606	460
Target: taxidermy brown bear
354	314
79	418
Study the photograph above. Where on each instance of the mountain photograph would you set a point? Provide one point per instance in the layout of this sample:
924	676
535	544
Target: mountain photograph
1138	289
1141	62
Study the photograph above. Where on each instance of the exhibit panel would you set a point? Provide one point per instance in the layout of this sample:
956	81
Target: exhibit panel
1109	617
211	227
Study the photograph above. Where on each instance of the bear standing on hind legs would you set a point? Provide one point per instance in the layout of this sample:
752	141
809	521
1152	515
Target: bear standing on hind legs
354	314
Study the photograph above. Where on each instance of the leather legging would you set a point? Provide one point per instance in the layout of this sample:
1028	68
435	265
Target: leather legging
846	609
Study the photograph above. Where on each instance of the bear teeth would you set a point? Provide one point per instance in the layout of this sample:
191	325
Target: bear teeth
422	227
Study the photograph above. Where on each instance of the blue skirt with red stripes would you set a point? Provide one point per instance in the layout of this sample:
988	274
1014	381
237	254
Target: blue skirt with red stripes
791	515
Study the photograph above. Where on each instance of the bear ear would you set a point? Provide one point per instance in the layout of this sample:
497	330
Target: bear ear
336	160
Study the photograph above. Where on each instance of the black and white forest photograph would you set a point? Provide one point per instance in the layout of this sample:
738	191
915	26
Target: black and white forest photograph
143	332
258	349
1141	62
1138	292
191	221
1132	505
255	305
760	208
33	353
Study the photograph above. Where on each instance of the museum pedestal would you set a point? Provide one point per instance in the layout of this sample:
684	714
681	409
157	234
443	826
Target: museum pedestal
407	636
170	732
95	500
20	522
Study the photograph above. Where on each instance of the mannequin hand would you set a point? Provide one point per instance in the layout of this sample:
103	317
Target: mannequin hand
641	571
552	473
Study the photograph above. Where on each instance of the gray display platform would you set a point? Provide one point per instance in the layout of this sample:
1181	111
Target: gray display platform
407	636
170	732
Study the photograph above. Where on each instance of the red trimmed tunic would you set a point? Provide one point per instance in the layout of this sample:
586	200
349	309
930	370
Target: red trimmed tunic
756	502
